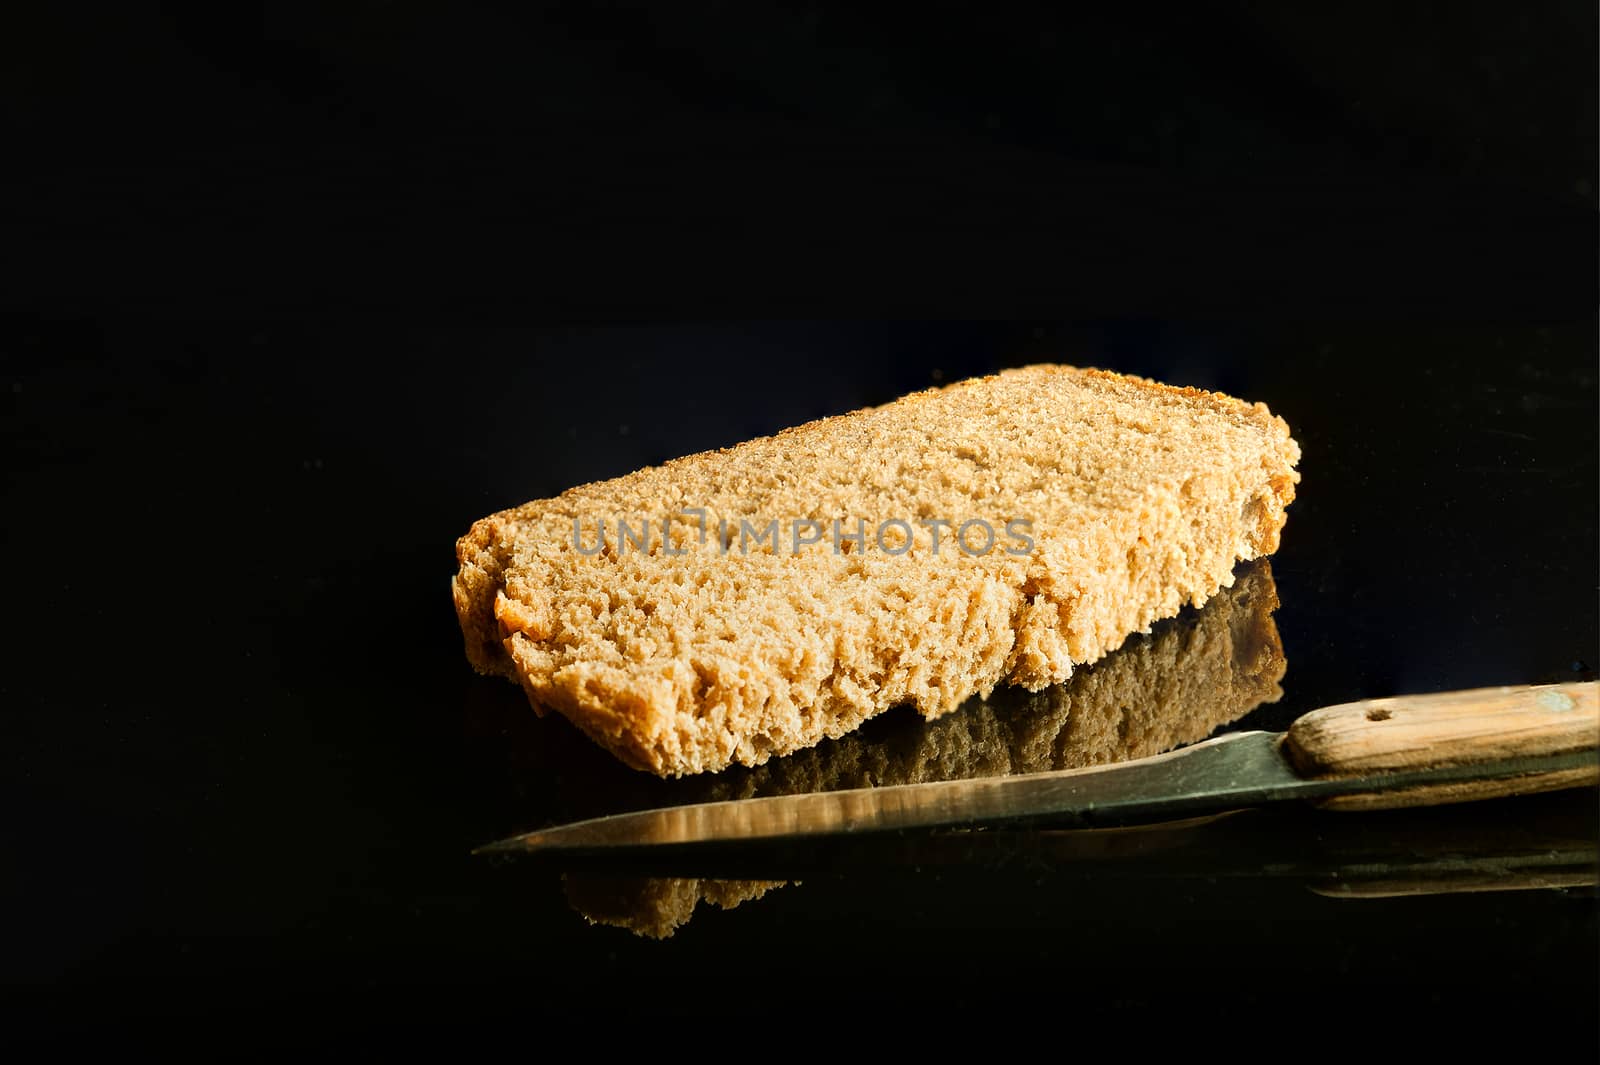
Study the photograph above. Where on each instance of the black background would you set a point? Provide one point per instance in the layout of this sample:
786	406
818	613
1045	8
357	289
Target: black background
298	293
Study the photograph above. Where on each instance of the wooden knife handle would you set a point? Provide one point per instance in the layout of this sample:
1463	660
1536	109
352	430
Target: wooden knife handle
1412	732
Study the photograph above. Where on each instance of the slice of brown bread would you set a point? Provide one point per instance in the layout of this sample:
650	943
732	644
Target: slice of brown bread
700	643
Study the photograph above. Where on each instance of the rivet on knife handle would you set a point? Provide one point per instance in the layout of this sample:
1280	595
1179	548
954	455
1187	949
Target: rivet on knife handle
1414	732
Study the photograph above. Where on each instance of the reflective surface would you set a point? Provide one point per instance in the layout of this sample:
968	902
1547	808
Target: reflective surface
255	762
301	290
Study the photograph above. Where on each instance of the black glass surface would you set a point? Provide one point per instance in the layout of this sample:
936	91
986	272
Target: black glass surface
265	363
256	761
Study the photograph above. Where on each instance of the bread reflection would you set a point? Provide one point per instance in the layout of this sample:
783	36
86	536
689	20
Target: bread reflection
1173	686
655	906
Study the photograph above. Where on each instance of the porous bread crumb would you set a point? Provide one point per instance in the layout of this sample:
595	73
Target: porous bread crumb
1140	498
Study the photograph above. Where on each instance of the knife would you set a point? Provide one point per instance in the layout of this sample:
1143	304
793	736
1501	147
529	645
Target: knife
1414	750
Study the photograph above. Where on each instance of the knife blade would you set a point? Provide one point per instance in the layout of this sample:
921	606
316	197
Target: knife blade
1372	754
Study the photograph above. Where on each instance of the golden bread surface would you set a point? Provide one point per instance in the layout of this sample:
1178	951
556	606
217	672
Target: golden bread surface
701	647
